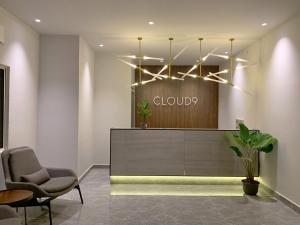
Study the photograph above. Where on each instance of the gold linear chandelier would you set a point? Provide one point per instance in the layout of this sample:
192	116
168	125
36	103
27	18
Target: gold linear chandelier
170	62
140	57
158	76
199	63
213	77
216	77
171	59
231	60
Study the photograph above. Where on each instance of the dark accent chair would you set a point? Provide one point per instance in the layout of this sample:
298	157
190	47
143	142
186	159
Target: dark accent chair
22	170
8	216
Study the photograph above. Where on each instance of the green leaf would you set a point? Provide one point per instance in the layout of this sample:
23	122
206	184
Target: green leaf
253	138
255	141
244	133
267	149
231	139
264	140
236	150
143	107
239	141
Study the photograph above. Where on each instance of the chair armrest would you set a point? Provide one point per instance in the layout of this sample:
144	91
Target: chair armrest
37	191
59	172
7	212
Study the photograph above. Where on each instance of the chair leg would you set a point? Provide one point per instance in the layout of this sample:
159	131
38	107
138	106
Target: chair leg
50	212
78	188
25	215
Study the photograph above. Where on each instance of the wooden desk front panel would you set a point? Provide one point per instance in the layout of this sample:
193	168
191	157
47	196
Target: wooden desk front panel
156	152
207	153
147	152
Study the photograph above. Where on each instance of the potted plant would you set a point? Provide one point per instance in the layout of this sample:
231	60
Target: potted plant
144	112
246	145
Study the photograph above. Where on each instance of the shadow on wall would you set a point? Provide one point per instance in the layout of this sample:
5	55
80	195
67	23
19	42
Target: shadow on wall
269	168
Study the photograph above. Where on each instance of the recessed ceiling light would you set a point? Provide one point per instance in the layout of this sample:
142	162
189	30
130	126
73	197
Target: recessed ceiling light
151	23
264	24
101	45
37	20
226	52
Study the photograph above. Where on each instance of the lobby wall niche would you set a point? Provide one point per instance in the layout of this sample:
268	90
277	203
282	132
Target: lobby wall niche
192	103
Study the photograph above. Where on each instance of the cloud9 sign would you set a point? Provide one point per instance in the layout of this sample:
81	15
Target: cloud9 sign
171	101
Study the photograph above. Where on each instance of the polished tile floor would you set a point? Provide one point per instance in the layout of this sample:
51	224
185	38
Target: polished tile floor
102	208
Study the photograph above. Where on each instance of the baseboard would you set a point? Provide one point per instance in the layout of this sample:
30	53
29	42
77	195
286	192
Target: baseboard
285	200
85	173
100	166
89	169
288	202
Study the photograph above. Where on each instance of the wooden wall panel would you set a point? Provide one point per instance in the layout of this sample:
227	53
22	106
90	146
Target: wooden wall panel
203	115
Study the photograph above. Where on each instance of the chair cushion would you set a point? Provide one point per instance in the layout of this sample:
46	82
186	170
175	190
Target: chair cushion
58	184
38	177
10	221
23	162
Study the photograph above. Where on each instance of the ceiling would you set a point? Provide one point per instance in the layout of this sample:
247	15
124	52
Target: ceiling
117	23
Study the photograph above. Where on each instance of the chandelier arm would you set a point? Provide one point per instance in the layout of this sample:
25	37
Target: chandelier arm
214	80
152	58
170	56
191	70
217	77
231	59
241	67
140	58
148	81
220	72
240	60
220	56
151	74
162	70
209	54
200	58
180	52
177	78
188	74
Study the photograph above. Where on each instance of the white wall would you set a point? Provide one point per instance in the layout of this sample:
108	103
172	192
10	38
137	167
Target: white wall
277	104
86	140
240	103
21	53
112	102
58	101
64	128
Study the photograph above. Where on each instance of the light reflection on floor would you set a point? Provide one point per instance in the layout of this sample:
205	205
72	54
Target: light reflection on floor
174	180
178	186
176	190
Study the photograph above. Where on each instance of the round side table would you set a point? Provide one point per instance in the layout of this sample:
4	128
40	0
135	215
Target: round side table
15	197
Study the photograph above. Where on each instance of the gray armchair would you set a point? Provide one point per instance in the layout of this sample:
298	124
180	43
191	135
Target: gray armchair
22	170
8	216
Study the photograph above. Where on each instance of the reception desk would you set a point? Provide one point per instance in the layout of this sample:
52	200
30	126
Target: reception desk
172	152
